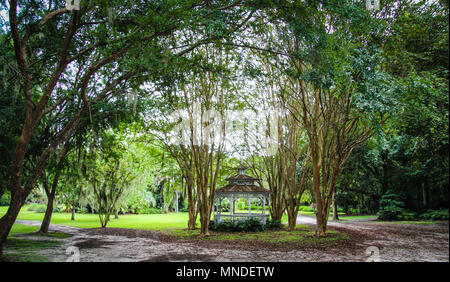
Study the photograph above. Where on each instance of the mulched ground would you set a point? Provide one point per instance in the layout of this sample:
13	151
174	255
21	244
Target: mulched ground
407	240
396	242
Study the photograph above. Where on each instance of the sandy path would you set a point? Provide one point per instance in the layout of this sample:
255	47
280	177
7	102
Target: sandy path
387	242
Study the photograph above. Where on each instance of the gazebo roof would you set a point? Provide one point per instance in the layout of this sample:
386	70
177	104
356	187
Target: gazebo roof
241	167
240	177
241	183
241	188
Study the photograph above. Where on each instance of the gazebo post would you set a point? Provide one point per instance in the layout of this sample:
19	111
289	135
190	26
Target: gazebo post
216	210
264	204
231	207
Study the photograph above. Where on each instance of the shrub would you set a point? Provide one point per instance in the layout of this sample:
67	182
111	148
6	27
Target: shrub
4	200
306	209
441	214
82	210
273	224
224	226
391	207
147	210
249	225
40	208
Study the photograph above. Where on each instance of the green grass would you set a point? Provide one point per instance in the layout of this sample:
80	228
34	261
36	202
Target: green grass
18	229
27	250
135	221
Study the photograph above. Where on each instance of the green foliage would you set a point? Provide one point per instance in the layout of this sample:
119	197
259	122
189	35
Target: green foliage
146	210
39	208
4	200
306	209
391	207
273	224
441	214
248	225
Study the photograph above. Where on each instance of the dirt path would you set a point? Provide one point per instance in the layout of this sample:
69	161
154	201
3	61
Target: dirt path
397	242
386	242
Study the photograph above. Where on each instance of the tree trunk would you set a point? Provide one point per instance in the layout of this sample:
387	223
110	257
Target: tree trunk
193	211
51	193
73	213
18	196
48	214
335	209
204	230
424	195
322	218
116	214
292	221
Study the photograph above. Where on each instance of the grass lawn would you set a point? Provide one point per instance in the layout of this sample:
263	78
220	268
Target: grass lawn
136	221
27	250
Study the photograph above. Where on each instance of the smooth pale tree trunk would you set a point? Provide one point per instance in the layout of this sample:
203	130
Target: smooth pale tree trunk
335	209
292	221
322	220
116	214
424	195
193	209
176	207
321	209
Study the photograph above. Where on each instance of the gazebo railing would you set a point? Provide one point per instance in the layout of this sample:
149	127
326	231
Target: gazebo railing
218	218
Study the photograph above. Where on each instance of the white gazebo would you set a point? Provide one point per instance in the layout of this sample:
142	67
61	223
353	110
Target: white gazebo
241	186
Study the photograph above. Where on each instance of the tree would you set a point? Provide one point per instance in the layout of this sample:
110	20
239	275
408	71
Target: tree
337	85
51	192
80	67
110	169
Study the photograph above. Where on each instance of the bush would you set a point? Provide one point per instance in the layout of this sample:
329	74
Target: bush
273	224
306	209
224	226
146	210
391	207
4	200
249	225
39	208
441	214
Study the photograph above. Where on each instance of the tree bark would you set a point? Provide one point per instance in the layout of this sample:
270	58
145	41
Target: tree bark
18	196
116	214
424	195
322	219
73	213
335	209
48	214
